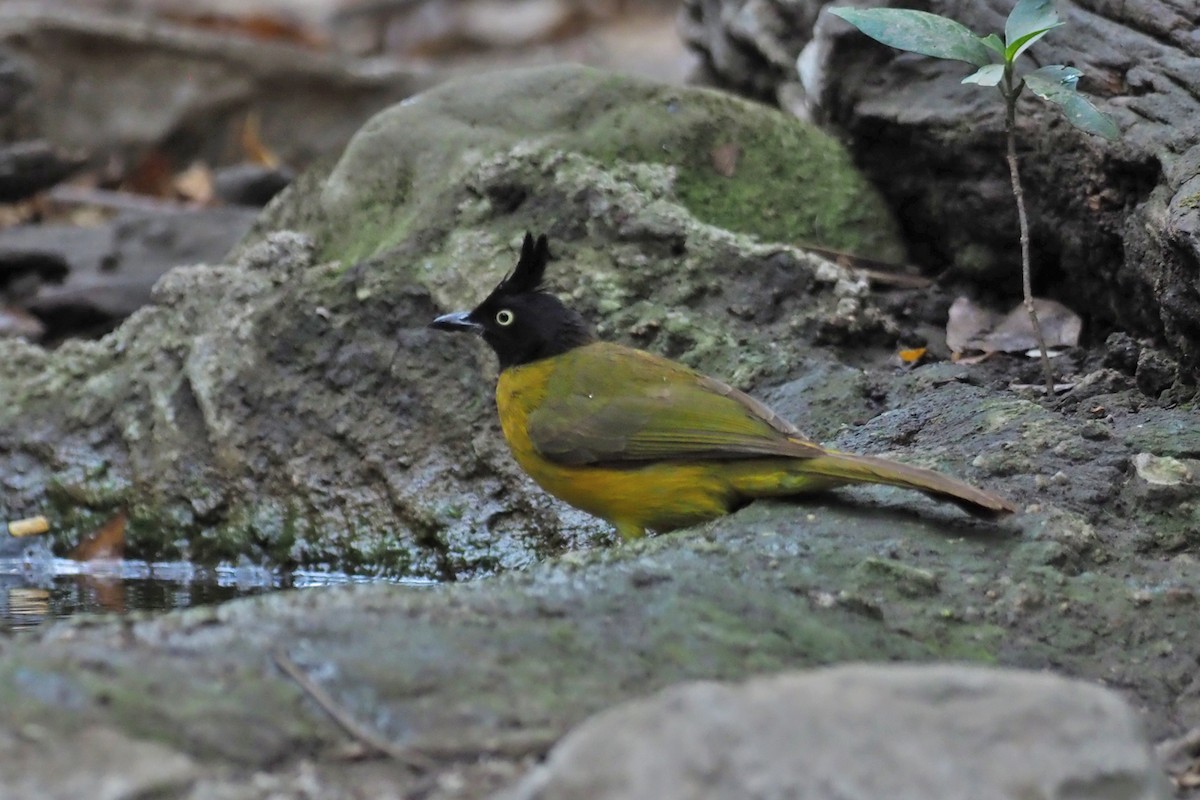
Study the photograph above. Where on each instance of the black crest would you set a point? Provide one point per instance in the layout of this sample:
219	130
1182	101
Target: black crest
530	269
520	321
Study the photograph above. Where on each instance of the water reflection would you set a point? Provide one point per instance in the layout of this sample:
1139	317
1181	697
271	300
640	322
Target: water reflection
33	592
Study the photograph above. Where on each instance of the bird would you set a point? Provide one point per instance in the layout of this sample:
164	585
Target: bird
642	441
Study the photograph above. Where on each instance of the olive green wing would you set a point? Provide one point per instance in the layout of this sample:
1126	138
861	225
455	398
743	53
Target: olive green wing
612	405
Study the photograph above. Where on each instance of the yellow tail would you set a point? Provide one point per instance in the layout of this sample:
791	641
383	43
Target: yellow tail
836	469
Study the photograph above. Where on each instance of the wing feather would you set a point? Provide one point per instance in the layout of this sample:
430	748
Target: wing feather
613	405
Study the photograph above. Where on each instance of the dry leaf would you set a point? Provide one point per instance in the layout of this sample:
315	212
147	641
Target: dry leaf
19	322
973	328
978	358
967	322
152	175
105	543
886	273
252	143
518	23
195	183
33	526
912	355
725	159
438	30
257	26
21	212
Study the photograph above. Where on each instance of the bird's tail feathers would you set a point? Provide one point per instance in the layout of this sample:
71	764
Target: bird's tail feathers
837	469
849	468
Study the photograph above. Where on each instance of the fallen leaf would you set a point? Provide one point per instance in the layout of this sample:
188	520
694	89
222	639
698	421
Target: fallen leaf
256	26
152	175
434	30
966	324
107	542
887	273
912	355
519	23
196	184
725	159
971	327
252	143
33	526
19	322
19	213
978	358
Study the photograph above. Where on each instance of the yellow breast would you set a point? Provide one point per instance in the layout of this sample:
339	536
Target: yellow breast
658	496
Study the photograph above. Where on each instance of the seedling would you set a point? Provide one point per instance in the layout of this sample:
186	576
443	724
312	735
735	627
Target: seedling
940	37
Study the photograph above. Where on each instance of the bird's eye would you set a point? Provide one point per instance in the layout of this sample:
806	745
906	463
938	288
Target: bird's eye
504	317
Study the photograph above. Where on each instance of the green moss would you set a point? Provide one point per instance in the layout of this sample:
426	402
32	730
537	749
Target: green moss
1164	432
93	485
975	261
243	715
418	168
785	181
975	642
891	575
1190	202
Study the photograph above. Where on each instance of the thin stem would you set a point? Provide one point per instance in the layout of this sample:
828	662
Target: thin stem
410	758
1010	129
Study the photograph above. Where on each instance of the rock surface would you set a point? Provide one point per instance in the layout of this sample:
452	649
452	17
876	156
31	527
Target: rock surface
28	167
475	149
1114	225
110	85
80	764
292	406
105	272
482	676
903	732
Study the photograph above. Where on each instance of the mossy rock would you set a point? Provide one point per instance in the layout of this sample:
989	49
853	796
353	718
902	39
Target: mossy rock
736	164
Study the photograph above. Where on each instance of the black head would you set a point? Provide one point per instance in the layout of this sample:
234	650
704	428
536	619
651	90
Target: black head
520	321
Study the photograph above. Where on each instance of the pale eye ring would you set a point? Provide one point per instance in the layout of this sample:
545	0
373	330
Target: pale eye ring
504	317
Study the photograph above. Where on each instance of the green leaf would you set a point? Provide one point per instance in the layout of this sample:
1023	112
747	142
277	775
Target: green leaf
986	76
1028	17
1053	81
918	32
995	43
1025	42
1056	84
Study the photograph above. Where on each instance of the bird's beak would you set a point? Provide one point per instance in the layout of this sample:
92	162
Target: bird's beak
456	322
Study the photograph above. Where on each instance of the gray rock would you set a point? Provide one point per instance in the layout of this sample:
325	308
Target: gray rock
1121	352
483	146
302	413
80	764
500	669
250	184
107	271
104	84
1155	371
15	83
901	732
28	167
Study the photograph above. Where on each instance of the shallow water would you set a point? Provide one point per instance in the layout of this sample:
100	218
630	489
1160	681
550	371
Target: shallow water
33	592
